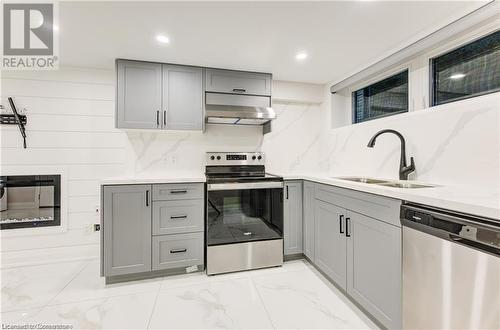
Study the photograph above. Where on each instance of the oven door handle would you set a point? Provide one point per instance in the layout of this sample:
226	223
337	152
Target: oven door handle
244	186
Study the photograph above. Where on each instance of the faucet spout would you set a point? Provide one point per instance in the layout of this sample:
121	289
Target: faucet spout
404	169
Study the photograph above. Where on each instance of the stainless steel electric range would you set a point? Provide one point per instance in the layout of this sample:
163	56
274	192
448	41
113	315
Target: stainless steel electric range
244	213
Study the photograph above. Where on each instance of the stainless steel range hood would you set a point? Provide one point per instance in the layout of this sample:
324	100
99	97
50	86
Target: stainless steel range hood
238	115
234	109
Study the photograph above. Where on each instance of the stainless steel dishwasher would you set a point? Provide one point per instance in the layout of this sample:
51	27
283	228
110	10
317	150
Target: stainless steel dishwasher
451	270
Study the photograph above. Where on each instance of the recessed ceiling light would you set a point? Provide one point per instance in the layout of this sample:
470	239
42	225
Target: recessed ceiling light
301	56
457	76
162	39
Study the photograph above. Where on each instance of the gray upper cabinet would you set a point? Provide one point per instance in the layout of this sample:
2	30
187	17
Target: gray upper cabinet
330	241
292	224
159	96
374	268
138	94
308	220
126	229
182	97
238	82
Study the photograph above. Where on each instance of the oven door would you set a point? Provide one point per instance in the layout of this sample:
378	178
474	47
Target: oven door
244	212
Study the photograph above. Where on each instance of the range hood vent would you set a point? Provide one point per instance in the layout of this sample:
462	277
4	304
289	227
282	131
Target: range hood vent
233	109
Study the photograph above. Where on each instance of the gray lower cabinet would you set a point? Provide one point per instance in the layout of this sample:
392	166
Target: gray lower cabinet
180	250
308	231
357	244
182	97
126	229
292	218
139	94
330	241
374	268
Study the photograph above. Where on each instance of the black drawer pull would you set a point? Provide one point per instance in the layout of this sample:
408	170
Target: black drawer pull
174	217
178	251
341	220
239	90
348	227
178	191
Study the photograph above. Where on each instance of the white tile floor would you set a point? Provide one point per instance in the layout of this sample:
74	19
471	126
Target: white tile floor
292	296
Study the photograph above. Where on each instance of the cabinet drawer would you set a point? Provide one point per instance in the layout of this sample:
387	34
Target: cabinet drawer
176	217
180	250
176	191
238	82
374	206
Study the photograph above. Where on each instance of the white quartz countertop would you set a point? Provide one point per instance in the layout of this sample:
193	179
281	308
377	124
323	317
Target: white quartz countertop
173	177
465	199
458	198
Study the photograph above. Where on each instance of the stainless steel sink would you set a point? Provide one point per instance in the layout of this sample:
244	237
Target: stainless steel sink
386	183
406	185
362	180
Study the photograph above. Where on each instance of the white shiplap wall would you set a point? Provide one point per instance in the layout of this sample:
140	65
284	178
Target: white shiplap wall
71	128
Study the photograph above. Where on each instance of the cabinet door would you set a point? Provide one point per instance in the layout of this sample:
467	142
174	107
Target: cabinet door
127	229
308	220
238	82
182	97
292	225
374	267
330	241
138	103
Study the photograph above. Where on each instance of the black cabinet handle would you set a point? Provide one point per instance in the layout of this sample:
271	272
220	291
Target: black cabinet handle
178	251
348	227
157	118
178	217
178	191
239	90
147	197
341	220
165	118
286	192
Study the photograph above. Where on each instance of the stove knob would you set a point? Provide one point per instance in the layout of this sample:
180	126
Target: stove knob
259	158
253	157
212	157
218	157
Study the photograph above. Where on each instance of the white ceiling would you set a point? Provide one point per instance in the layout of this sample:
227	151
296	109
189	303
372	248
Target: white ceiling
340	37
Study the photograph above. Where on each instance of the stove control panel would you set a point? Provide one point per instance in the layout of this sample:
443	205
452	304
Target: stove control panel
235	158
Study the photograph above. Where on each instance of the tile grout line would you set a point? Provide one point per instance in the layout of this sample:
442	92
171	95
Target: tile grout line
72	279
263	304
154	305
47	304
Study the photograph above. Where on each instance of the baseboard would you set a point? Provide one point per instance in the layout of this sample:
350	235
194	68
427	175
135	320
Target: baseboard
295	256
34	257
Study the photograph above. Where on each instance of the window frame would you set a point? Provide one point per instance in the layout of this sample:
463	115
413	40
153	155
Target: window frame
377	79
463	42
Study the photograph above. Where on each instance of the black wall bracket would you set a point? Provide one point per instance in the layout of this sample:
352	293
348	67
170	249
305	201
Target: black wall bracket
15	119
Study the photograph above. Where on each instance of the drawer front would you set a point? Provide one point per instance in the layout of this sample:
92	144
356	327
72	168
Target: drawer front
176	217
176	191
180	250
237	82
374	206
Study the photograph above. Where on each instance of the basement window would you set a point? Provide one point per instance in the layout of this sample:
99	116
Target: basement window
468	71
383	98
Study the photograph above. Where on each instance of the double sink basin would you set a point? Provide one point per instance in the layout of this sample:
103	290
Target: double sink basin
386	183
